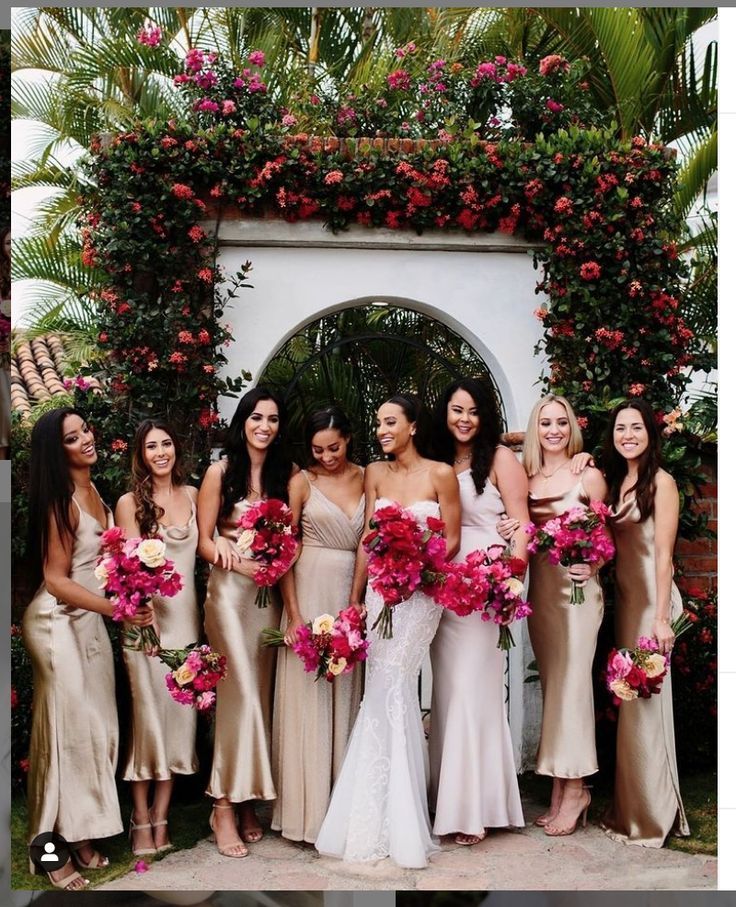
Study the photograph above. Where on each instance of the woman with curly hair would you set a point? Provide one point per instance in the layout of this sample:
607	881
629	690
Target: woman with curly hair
162	733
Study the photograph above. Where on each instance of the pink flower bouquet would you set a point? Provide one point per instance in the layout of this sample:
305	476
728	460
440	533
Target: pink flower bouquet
195	672
328	645
638	673
269	537
402	557
578	536
131	571
504	603
464	589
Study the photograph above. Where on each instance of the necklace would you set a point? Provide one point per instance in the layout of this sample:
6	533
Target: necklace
463	459
564	463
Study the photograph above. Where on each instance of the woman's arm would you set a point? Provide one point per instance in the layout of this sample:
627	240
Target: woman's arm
448	496
509	477
57	576
666	517
125	516
360	572
298	493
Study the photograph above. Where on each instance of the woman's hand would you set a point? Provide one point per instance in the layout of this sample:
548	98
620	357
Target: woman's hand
225	553
143	617
506	527
662	632
292	627
581	573
245	566
580	462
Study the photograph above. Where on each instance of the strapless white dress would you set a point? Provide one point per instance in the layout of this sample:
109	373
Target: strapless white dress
378	806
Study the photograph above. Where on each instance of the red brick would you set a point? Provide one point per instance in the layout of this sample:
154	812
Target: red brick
691	565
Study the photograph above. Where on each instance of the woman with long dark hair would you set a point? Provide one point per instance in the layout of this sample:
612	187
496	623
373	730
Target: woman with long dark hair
255	466
312	721
473	783
563	635
162	733
379	805
74	736
647	805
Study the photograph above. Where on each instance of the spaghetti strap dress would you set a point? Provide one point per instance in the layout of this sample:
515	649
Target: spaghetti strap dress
563	637
74	737
162	732
647	805
473	783
312	721
241	759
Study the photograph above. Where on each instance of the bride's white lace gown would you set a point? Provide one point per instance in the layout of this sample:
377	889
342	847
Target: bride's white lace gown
378	807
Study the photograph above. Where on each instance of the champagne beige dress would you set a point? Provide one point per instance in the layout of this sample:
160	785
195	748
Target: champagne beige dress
312	720
162	732
473	782
241	761
563	637
646	802
74	738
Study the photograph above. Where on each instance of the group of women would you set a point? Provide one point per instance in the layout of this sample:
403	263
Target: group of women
345	762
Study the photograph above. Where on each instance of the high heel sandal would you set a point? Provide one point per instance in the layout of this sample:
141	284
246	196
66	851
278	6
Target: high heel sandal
252	834
226	849
555	832
138	851
64	883
475	839
161	822
96	861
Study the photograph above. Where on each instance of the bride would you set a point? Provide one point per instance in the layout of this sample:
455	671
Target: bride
379	804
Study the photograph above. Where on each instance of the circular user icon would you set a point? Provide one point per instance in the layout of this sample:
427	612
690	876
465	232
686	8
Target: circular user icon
49	851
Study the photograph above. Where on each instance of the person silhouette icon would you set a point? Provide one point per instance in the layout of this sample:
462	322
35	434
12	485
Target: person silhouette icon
50	856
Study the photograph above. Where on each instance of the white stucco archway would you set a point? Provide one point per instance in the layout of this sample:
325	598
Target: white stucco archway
483	288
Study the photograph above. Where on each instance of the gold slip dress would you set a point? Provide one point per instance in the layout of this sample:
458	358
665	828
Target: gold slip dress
241	760
563	637
162	731
646	802
312	720
74	738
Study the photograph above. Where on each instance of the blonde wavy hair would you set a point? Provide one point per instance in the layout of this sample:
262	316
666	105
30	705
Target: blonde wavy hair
532	456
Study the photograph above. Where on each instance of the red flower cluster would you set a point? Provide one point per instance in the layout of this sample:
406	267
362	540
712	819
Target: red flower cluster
269	537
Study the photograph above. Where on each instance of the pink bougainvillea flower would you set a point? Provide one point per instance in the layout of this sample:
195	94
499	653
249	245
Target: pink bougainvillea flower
141	866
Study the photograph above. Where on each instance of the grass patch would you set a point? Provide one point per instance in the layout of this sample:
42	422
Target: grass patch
188	825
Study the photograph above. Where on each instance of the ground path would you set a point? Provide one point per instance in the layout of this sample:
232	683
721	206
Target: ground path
513	860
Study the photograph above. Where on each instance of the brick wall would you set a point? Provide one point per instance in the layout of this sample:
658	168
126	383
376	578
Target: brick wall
698	560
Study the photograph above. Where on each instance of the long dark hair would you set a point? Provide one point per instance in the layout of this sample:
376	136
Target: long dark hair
489	429
277	466
50	486
414	410
147	511
4	265
616	468
323	419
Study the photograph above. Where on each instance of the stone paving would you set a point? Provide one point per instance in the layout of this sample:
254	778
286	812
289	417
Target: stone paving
523	859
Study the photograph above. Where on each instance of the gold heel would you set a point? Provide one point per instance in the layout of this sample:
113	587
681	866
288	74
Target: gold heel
555	831
63	884
227	850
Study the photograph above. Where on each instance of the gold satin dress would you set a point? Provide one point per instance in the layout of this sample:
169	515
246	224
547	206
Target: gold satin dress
74	737
313	720
563	637
241	760
646	800
162	732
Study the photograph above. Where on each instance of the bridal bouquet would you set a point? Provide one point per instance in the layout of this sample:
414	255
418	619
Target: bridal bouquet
195	672
504	603
638	673
465	587
327	645
578	536
402	557
131	571
268	537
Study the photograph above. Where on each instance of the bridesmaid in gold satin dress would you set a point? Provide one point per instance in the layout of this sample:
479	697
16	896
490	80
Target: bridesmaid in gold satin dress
647	805
562	635
162	732
312	721
255	467
74	735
